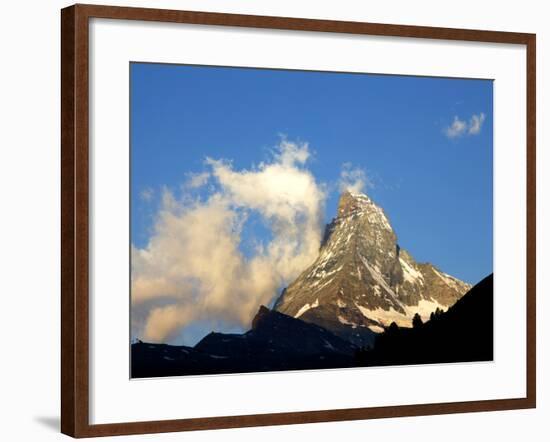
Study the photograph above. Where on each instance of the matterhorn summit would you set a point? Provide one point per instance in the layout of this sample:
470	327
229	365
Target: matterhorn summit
362	281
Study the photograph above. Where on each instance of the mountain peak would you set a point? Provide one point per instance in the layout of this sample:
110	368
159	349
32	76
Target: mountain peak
350	202
362	280
262	313
361	205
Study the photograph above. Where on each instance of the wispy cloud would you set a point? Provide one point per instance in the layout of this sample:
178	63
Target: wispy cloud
195	180
476	121
192	268
147	194
353	179
459	128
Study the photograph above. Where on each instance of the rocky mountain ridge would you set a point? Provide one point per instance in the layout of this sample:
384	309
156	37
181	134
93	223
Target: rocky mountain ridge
275	342
362	280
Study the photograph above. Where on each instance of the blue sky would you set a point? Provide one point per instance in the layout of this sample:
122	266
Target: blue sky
434	185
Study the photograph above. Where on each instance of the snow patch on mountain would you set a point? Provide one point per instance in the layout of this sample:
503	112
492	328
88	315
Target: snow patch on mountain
385	317
377	276
411	274
307	307
344	321
424	308
376	328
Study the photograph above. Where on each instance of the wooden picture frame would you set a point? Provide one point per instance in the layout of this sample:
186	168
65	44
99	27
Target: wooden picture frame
75	218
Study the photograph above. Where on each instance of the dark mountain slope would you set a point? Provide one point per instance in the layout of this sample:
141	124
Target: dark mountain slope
462	334
275	342
279	342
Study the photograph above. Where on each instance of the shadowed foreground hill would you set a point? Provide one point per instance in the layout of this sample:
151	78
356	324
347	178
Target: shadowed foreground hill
279	342
275	342
462	334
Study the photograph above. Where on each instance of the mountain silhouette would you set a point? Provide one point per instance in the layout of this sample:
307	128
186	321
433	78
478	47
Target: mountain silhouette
277	342
462	334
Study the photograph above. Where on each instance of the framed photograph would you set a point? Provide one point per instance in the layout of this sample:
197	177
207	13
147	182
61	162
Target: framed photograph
273	220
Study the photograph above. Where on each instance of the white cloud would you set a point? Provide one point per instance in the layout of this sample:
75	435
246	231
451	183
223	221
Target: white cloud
476	121
460	127
192	268
457	128
353	179
290	154
195	180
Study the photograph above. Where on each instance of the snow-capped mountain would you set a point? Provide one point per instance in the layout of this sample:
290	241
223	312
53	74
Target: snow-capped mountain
362	281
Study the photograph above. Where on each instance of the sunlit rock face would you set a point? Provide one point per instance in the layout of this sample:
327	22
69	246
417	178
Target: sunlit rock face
362	281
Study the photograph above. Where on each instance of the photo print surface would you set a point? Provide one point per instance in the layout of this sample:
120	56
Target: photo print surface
298	220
